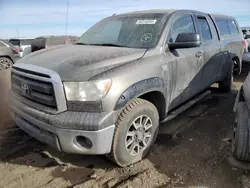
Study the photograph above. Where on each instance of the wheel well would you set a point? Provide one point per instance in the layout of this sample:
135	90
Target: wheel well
6	57
237	66
158	99
237	59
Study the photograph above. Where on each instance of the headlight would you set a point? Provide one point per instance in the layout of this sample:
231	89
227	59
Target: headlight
87	91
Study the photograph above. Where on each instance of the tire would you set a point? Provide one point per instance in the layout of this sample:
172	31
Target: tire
240	144
5	63
226	85
138	110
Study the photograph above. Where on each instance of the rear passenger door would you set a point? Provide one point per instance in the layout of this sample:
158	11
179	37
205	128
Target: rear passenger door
211	69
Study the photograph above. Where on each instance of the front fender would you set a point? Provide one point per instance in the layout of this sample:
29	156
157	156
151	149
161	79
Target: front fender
140	88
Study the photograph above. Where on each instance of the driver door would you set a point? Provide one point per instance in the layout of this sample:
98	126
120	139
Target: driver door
183	65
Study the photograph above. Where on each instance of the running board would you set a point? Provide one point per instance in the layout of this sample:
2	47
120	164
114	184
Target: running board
186	106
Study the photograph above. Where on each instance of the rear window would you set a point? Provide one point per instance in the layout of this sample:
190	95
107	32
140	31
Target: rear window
227	27
232	26
15	42
223	26
26	42
56	40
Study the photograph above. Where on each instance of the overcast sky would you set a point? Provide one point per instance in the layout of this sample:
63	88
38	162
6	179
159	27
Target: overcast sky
31	18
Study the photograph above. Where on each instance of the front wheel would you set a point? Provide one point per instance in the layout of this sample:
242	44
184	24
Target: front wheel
135	132
5	63
240	144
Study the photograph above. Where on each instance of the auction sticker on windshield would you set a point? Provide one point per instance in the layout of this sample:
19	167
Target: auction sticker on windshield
140	22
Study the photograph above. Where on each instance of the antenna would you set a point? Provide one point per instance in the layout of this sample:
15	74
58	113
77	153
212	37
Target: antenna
66	26
17	32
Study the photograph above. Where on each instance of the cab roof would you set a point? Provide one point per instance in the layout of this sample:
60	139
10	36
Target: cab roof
169	11
152	11
222	16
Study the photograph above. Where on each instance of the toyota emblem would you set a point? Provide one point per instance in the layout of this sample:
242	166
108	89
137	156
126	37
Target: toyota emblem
25	88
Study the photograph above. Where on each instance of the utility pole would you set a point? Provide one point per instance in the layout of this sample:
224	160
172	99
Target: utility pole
66	26
17	32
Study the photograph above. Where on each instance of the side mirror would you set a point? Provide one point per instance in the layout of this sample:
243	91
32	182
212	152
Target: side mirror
247	37
186	40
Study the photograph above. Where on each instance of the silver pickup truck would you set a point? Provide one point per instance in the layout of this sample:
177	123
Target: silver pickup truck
107	93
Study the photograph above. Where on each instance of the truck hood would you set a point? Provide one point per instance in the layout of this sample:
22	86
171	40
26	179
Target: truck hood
81	62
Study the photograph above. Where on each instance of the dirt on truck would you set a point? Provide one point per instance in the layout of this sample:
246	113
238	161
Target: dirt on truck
192	150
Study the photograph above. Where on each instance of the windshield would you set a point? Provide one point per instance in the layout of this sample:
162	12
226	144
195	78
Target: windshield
135	31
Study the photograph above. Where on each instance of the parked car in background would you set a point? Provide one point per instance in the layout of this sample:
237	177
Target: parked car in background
24	45
246	35
107	93
9	54
51	41
245	30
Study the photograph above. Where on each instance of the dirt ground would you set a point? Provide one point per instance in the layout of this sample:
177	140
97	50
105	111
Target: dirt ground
192	150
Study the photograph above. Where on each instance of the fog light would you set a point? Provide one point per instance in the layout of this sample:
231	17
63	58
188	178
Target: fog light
84	142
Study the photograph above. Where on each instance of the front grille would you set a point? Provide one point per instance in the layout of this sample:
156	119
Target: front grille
34	91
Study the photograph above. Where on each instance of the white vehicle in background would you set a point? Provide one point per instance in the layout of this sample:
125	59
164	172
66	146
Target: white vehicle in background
24	45
246	35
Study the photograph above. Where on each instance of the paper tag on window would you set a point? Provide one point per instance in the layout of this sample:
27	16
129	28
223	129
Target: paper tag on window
140	22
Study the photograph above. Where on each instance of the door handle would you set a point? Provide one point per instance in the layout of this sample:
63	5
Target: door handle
199	54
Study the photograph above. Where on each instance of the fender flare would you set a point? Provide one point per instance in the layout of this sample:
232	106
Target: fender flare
140	88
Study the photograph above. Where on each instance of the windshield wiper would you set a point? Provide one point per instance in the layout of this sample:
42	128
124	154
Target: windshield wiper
104	44
80	43
108	44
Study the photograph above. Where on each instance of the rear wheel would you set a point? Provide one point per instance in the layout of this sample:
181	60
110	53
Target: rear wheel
135	132
5	63
226	85
240	144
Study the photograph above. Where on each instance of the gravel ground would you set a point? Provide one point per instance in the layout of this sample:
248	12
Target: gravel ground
191	151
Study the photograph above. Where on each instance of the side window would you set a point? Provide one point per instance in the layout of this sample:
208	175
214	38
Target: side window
183	24
223	26
232	26
205	29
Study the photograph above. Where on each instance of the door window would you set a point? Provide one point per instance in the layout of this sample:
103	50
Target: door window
183	24
223	26
205	29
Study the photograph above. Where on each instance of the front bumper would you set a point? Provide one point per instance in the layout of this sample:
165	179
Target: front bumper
61	133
